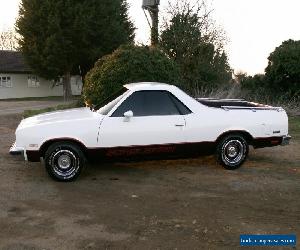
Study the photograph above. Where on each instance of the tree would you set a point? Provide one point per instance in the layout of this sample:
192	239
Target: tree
58	36
255	83
8	40
283	70
196	44
128	64
240	76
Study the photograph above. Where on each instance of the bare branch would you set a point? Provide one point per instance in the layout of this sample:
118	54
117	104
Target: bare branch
210	31
8	39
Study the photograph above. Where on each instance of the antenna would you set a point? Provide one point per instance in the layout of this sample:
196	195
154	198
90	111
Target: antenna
152	7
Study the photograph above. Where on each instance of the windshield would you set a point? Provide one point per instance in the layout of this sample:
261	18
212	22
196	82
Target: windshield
110	102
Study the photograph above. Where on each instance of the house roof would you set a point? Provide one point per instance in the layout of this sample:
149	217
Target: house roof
13	62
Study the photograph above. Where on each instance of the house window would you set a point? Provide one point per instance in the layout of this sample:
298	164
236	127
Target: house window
57	82
33	82
5	82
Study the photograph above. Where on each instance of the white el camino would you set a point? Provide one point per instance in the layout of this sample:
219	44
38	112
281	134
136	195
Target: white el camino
148	120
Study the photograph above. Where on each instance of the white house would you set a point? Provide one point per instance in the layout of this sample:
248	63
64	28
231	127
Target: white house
17	80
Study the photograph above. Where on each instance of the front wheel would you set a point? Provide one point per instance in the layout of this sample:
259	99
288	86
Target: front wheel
232	151
64	161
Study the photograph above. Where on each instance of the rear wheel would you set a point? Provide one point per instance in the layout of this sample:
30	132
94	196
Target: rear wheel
64	161
232	151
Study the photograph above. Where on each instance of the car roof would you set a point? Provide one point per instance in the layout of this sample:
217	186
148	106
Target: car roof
149	86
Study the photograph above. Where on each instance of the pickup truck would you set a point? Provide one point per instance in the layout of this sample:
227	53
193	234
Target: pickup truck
149	120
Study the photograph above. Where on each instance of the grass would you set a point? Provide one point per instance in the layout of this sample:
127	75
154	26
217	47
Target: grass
47	98
294	127
29	113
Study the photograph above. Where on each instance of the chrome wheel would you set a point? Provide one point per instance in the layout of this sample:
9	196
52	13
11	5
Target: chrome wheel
64	163
232	151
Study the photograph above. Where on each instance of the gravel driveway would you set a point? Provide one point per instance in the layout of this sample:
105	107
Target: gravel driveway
174	204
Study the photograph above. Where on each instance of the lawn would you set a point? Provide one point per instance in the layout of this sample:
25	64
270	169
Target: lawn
46	98
29	113
294	127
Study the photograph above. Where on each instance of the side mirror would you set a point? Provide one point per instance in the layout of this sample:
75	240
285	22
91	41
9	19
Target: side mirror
128	115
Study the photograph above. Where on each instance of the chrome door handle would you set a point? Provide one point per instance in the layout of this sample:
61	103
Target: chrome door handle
179	125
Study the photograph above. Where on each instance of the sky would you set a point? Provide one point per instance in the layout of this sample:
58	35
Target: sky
254	28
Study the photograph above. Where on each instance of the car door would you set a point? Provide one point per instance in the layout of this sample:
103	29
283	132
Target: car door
156	125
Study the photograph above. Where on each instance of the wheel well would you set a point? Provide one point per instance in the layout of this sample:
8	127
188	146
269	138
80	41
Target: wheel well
47	144
245	134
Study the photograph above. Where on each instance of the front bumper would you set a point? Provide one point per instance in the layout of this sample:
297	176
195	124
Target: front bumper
14	150
286	140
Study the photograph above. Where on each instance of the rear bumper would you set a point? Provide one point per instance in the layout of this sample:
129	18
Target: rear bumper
285	140
271	141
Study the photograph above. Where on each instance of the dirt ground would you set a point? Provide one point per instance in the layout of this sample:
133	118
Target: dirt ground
174	204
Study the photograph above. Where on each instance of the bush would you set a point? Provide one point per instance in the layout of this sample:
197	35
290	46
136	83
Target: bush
126	65
256	82
283	71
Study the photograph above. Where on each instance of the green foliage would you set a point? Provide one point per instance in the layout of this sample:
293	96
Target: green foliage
294	127
283	71
253	82
258	88
281	81
126	65
186	40
59	35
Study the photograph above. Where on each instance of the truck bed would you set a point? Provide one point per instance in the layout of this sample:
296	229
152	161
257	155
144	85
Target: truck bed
234	104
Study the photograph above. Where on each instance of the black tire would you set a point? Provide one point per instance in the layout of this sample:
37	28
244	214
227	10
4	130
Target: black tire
64	161
232	151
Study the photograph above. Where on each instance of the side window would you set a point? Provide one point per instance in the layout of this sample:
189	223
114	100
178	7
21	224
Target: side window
184	110
33	82
148	103
134	103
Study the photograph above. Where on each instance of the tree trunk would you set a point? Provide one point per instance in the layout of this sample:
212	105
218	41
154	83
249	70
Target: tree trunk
154	29
67	86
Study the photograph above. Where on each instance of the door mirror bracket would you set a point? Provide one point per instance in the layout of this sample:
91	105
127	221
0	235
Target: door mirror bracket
128	115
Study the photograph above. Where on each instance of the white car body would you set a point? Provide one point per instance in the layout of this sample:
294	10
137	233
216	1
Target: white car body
104	135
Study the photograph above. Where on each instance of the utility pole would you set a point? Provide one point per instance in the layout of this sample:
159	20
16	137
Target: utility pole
152	7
